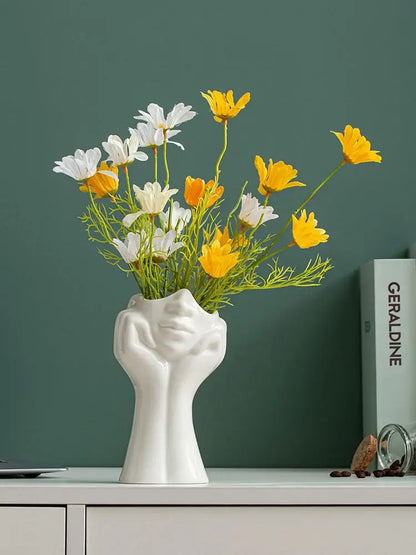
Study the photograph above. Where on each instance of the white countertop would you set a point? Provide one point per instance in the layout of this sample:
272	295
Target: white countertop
228	486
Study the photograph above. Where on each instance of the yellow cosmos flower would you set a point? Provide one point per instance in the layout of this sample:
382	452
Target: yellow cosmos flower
103	185
276	177
305	232
355	147
217	260
195	190
222	105
223	237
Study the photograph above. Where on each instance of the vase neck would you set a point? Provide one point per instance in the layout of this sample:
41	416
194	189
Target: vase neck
163	446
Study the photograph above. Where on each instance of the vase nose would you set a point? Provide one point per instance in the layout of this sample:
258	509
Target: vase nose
183	295
181	303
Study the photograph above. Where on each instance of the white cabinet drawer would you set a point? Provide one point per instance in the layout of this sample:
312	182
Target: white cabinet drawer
32	531
272	530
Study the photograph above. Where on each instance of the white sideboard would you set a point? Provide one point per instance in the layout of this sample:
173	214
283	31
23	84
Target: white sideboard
85	511
32	530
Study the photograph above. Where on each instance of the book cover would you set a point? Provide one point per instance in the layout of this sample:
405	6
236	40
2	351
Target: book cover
388	339
411	253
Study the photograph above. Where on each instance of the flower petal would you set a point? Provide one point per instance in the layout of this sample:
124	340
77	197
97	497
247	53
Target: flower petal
110	174
131	218
142	156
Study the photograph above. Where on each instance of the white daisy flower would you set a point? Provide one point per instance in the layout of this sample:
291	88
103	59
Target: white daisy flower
156	117
153	138
152	200
147	135
122	153
179	114
180	217
135	245
81	165
251	212
163	244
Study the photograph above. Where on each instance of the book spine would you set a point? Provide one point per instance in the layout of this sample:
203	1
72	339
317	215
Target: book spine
368	349
411	253
388	332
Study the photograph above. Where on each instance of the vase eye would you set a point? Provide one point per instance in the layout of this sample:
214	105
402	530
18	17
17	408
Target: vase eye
179	308
132	301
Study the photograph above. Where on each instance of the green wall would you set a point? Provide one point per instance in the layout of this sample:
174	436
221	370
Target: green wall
289	391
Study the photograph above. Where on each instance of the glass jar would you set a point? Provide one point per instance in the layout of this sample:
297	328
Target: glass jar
397	442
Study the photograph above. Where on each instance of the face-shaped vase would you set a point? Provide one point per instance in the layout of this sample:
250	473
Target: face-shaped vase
168	347
175	325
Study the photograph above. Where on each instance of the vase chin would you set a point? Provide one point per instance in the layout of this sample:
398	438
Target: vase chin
132	474
167	347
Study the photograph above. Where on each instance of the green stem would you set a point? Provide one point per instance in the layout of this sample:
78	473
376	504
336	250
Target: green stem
155	159
133	271
237	204
317	189
170	213
165	159
217	165
119	208
97	213
151	250
277	252
194	228
209	284
129	195
166	280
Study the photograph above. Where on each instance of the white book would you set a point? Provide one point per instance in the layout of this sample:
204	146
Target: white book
412	251
388	343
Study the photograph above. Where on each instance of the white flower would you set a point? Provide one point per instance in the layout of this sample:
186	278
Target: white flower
156	116
80	166
179	114
147	135
123	153
152	200
251	212
163	244
180	217
150	137
134	245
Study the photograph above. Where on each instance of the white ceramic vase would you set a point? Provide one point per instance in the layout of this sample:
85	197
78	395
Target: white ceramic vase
167	347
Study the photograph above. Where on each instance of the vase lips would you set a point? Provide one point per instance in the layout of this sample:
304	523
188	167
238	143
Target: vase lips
176	324
183	295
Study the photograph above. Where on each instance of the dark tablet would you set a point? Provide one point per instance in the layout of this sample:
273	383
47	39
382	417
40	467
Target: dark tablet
25	469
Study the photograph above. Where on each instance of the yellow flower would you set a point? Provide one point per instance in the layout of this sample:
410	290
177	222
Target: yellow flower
276	177
224	237
195	190
103	185
355	147
305	232
217	260
222	105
